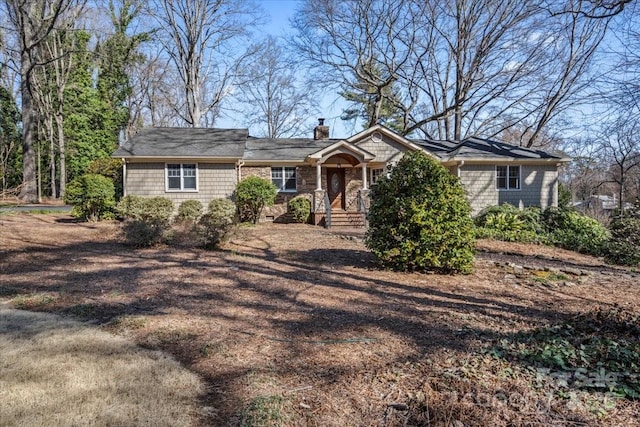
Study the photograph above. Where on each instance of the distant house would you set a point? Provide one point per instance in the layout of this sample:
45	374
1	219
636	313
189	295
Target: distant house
334	174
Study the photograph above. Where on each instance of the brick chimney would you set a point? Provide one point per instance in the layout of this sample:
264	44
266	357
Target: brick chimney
321	131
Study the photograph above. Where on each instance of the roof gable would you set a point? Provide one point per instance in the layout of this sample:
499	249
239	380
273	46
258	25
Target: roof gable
342	147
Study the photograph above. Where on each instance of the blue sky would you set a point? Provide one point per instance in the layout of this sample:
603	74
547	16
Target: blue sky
278	14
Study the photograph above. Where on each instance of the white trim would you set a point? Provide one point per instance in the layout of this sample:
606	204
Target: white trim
342	147
181	189
282	189
507	176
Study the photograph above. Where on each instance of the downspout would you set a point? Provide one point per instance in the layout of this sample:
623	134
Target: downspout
239	164
460	164
124	177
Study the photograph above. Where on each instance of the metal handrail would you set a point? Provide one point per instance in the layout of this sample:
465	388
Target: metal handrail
327	208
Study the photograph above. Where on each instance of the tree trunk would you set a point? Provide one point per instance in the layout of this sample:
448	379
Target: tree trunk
29	190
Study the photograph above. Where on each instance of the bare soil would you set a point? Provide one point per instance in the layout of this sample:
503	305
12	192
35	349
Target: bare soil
295	325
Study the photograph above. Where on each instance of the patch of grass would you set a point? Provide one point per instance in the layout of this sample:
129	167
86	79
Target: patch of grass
60	372
32	301
128	322
545	277
264	411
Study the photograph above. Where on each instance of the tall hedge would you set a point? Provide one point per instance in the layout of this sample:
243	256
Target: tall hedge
420	219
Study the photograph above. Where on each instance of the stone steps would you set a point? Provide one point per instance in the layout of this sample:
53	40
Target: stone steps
343	219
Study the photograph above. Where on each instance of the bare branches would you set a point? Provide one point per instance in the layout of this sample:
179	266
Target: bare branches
201	42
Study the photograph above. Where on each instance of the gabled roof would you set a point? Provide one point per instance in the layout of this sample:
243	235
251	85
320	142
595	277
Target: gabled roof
342	146
236	144
485	149
185	143
283	149
384	131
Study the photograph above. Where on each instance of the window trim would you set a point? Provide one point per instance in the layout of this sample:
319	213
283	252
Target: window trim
181	189
371	172
282	188
507	178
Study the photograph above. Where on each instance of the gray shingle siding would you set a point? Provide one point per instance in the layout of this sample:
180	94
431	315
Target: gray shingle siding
538	186
215	180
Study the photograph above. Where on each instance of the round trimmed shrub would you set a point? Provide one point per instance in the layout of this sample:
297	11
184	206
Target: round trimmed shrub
92	197
189	211
111	168
252	195
149	222
130	207
575	231
300	209
216	224
420	219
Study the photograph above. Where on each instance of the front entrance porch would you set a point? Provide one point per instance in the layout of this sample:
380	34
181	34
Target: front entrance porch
341	196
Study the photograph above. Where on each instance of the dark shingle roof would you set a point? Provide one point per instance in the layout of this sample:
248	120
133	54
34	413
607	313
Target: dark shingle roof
479	148
283	148
185	142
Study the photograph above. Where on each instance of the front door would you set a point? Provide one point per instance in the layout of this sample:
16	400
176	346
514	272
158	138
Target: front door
335	188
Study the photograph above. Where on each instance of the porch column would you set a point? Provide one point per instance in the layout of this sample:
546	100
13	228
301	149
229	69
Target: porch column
364	176
318	176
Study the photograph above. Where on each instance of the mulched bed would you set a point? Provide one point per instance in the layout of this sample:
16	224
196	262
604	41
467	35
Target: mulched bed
300	313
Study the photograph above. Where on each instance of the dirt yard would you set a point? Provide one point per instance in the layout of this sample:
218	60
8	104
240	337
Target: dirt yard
294	325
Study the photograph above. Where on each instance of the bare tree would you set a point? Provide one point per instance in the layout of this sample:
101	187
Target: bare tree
203	40
33	21
620	144
270	93
462	65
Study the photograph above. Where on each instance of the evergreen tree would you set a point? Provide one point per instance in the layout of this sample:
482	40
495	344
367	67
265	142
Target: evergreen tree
10	147
115	57
374	98
87	118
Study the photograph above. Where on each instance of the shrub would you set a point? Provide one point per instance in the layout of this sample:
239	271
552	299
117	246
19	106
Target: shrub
624	246
130	207
252	195
215	225
149	222
420	219
300	209
189	211
572	230
111	168
506	222
92	196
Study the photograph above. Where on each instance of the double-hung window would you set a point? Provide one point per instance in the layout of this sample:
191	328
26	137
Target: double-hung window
182	176
508	177
375	175
284	178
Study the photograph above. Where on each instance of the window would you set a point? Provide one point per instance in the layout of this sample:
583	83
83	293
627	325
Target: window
375	174
508	177
284	178
182	177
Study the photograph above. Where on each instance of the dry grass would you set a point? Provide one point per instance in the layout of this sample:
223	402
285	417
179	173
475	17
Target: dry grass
57	372
293	325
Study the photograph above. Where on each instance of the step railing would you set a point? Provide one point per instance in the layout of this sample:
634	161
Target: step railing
327	208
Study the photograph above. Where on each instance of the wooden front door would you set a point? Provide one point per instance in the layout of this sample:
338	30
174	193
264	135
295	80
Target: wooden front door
335	188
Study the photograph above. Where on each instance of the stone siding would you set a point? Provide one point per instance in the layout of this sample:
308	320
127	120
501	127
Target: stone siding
215	181
305	185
